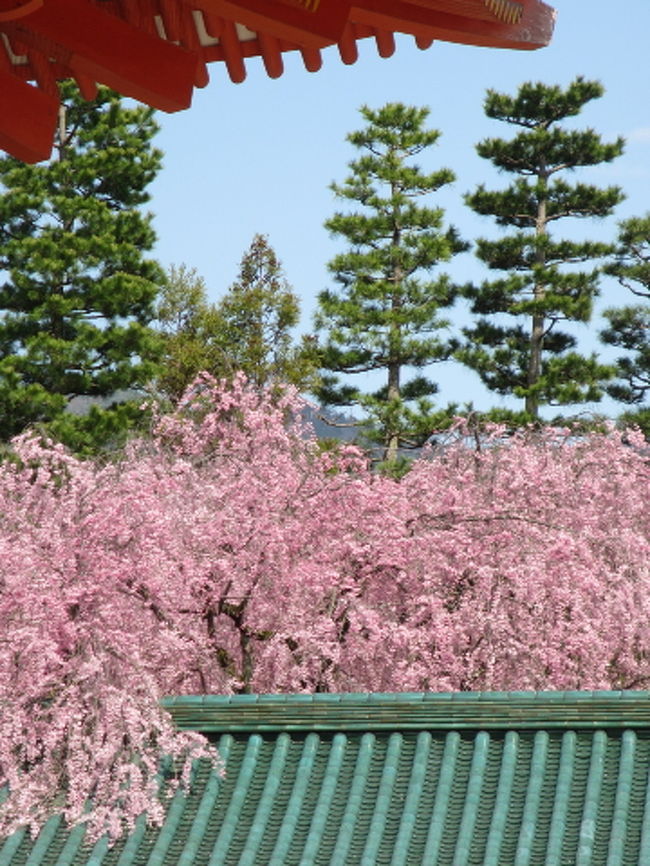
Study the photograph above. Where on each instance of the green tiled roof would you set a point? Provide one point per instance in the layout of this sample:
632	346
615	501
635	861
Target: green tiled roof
492	779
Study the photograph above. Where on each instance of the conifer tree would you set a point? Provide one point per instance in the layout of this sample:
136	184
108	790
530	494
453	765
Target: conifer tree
78	293
386	314
258	313
543	284
629	326
247	330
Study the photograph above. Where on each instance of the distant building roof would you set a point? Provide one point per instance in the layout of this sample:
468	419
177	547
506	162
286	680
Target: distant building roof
485	779
157	50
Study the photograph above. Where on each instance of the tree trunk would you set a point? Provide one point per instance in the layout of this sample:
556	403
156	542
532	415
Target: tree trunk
392	435
538	324
394	339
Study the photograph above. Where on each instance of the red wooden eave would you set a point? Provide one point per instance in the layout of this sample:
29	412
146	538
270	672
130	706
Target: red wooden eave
157	51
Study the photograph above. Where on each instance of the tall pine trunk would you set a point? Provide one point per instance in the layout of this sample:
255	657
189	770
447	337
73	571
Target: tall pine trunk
538	321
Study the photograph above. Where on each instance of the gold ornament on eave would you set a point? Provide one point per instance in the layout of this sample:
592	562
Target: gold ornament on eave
508	11
310	5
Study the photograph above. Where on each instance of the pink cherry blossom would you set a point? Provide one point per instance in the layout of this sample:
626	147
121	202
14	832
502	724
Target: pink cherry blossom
228	552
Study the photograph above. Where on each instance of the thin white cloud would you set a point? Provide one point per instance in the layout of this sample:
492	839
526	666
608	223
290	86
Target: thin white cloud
640	134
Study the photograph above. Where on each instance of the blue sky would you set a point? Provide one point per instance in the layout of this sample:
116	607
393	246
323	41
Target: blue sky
259	156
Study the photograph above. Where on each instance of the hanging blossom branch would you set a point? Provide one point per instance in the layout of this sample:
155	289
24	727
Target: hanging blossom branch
230	553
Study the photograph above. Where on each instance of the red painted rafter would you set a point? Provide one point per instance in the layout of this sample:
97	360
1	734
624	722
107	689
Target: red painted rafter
156	50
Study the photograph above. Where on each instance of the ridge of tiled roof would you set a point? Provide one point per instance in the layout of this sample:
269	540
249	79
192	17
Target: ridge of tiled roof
484	779
411	711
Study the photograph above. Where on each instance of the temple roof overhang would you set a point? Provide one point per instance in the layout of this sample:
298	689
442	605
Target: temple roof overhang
158	51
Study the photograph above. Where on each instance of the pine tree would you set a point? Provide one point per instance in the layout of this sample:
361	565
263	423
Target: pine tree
543	284
629	326
385	316
259	312
78	293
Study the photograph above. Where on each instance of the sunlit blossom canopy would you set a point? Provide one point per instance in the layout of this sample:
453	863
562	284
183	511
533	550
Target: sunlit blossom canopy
157	51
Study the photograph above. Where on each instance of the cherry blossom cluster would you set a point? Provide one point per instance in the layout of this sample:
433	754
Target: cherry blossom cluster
230	552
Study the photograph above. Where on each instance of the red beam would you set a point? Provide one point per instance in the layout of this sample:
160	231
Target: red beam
112	52
28	119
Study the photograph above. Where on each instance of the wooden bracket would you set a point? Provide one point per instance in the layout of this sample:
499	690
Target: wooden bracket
316	26
113	52
28	119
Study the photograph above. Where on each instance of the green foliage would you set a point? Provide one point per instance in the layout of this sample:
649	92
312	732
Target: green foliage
77	296
386	314
259	311
192	333
108	426
629	326
638	418
249	329
543	284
